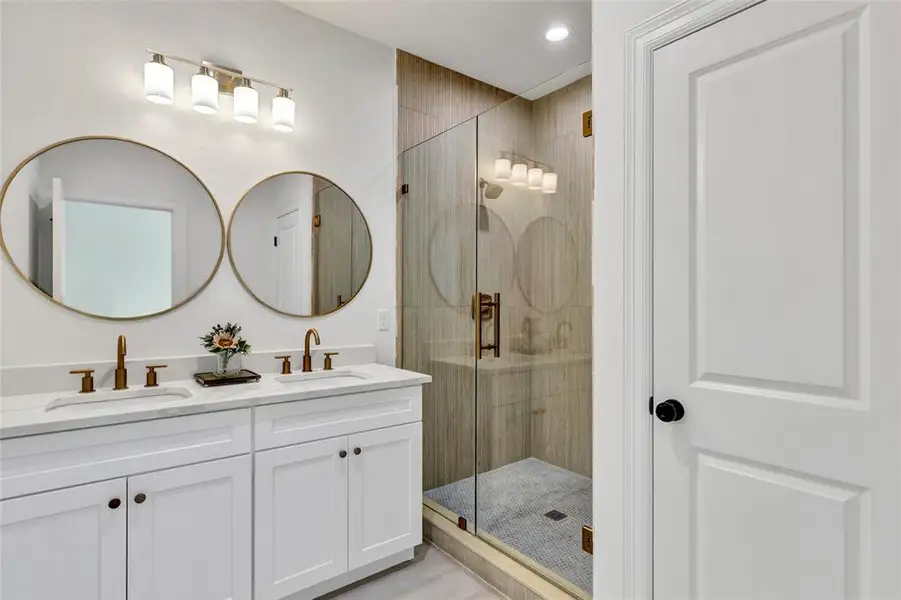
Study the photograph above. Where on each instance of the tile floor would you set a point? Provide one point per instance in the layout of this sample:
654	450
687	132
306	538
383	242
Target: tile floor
431	575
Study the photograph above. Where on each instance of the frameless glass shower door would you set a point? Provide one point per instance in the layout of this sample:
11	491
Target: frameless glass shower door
496	306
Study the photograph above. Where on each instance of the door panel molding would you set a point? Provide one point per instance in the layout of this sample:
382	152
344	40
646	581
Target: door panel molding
635	516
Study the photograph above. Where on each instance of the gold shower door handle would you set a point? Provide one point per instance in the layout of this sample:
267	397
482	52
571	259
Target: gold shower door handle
483	308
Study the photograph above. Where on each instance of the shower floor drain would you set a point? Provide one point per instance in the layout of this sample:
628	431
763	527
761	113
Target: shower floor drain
555	515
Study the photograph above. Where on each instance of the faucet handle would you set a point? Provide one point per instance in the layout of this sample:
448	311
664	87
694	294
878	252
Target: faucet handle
87	380
152	380
286	363
328	360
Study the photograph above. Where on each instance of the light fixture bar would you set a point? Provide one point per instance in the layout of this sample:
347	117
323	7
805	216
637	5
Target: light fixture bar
219	69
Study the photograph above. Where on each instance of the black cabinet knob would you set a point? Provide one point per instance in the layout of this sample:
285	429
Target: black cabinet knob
139	498
114	503
670	411
357	451
343	454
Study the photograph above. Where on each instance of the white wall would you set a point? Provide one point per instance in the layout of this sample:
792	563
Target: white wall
75	68
610	20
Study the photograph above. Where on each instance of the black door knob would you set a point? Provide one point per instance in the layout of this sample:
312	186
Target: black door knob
357	451
114	503
139	498
670	411
343	454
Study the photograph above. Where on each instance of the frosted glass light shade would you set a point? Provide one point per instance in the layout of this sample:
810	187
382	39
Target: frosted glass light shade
283	112
549	183
247	103
520	174
205	92
502	169
535	178
159	80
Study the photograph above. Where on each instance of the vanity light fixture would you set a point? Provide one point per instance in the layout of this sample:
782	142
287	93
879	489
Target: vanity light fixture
503	169
520	174
247	102
159	80
212	80
535	178
205	92
283	111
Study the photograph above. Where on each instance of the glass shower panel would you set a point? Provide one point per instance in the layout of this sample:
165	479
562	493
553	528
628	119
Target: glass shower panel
533	420
437	225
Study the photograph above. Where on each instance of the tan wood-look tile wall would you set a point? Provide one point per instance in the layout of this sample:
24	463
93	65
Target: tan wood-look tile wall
542	411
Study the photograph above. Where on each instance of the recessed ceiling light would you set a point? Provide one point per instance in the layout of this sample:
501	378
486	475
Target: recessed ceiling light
556	34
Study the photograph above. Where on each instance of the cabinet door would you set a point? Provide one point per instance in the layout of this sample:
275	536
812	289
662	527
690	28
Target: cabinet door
385	496
300	520
189	532
64	544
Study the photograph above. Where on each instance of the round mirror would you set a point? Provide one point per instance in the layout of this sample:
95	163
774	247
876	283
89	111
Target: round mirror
299	244
452	253
110	228
547	264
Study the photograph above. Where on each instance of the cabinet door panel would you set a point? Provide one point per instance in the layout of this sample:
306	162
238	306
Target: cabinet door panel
190	537
301	517
64	544
385	495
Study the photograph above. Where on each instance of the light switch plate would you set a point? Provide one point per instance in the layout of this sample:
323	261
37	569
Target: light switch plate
383	320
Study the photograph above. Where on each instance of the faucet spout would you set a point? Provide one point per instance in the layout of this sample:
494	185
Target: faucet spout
121	374
307	358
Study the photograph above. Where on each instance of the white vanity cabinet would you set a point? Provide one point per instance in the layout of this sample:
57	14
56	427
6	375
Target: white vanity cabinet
170	533
64	544
280	500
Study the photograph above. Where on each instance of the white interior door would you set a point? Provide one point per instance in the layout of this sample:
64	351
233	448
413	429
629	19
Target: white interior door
189	532
288	281
385	494
64	544
777	305
58	261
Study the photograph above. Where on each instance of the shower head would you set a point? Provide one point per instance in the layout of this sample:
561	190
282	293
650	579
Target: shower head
492	190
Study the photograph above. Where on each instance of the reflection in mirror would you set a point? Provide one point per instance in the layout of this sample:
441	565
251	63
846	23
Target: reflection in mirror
299	244
547	264
110	228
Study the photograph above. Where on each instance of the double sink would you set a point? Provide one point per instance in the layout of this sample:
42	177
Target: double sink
164	394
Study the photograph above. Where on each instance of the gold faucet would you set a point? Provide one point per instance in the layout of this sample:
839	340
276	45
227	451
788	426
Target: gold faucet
121	371
307	359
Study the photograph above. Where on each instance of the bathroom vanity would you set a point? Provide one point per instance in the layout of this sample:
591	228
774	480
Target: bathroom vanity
287	488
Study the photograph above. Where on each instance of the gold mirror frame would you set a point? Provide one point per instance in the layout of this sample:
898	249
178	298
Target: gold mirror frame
18	271
231	257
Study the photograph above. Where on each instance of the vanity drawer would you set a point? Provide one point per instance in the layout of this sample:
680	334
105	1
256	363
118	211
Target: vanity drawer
306	420
55	460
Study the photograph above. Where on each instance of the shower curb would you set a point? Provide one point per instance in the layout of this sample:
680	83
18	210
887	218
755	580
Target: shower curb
507	575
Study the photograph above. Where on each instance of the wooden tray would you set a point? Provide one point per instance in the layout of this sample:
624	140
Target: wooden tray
211	380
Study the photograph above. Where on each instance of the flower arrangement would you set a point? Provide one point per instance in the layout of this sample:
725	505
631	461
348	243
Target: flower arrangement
225	343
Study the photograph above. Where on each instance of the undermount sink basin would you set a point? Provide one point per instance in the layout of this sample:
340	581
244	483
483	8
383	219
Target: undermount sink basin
120	398
321	379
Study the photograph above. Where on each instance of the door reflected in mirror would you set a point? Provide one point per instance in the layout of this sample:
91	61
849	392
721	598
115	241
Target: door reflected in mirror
299	244
110	228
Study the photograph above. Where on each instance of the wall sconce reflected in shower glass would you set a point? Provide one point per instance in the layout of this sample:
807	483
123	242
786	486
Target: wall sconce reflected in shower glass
549	183
283	111
535	178
205	92
211	81
159	80
520	174
503	170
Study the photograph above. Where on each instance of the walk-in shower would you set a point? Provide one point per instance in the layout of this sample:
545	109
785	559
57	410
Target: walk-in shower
496	306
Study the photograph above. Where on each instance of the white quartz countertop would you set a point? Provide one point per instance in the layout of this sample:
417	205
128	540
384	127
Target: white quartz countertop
27	414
